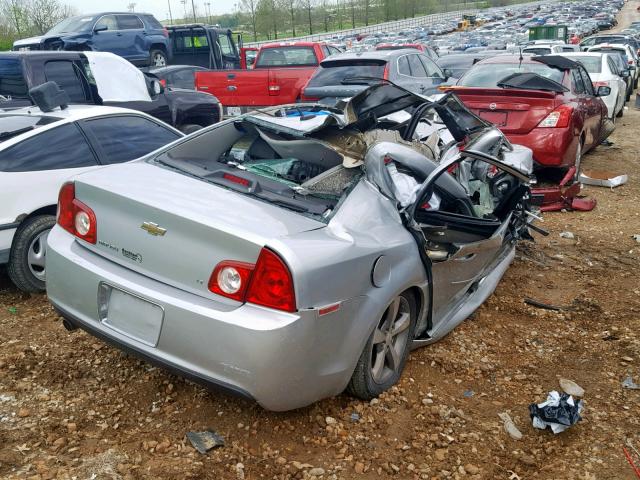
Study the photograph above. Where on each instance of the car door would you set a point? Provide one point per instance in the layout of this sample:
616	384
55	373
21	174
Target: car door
68	76
465	235
618	80
131	38
106	36
435	75
595	109
411	73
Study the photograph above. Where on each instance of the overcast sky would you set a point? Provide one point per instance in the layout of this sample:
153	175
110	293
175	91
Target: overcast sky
159	8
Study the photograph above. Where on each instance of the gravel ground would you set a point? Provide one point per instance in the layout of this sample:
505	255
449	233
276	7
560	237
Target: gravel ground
72	407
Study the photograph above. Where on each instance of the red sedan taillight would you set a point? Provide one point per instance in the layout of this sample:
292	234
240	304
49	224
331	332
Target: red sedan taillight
74	216
559	118
267	283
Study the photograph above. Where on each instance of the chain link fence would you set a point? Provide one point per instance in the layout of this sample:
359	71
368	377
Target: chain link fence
399	25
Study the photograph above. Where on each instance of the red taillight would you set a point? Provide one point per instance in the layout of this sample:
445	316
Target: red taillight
163	82
74	216
385	74
267	283
559	118
271	283
235	179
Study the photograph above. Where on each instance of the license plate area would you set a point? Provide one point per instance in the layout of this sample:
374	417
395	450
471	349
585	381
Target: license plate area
234	111
499	119
130	315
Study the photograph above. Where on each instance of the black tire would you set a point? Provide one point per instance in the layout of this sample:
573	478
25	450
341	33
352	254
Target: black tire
363	384
620	114
26	259
189	128
157	58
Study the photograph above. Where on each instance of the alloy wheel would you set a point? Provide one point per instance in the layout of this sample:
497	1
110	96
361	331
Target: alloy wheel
36	255
390	339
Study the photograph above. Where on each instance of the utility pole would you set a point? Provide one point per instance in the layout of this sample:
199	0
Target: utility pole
193	6
208	11
170	15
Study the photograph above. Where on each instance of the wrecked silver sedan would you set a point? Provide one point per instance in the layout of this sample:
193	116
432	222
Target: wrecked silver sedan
292	253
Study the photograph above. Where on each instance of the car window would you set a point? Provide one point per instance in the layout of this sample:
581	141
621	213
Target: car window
588	86
325	50
183	79
60	147
286	56
129	22
592	64
66	75
153	23
225	46
336	71
333	50
417	69
403	66
126	137
12	83
577	84
488	75
431	67
612	66
108	21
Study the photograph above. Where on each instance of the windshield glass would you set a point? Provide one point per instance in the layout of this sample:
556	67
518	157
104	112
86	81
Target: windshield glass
538	50
592	64
73	24
333	73
488	75
12	82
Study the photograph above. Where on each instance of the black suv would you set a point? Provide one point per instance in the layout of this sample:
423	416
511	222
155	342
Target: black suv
187	110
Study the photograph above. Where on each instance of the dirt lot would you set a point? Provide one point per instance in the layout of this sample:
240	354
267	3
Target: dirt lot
72	407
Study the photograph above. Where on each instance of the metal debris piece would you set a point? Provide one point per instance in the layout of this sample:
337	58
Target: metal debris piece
568	235
468	393
572	388
636	237
205	441
630	384
546	306
509	426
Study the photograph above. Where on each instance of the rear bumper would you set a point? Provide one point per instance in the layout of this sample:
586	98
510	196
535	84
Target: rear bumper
276	358
552	147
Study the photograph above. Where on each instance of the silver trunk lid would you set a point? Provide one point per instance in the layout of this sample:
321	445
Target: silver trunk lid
176	229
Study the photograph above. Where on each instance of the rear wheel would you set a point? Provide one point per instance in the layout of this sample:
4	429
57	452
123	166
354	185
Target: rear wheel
385	354
26	266
620	114
578	161
157	58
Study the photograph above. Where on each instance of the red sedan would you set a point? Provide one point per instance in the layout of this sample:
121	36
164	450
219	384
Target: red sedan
545	103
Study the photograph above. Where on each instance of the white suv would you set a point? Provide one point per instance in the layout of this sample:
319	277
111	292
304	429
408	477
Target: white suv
39	151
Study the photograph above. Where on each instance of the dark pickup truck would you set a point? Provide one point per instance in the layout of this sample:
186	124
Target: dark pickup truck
186	110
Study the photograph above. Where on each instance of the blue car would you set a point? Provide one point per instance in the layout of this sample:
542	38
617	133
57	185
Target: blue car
138	37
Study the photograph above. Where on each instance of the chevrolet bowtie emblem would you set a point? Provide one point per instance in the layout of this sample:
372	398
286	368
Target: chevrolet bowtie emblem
153	229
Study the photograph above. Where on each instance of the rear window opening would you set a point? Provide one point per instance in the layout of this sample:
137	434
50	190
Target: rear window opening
592	64
336	72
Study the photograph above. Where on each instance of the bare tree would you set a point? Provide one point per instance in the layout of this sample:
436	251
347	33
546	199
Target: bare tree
44	14
251	7
16	12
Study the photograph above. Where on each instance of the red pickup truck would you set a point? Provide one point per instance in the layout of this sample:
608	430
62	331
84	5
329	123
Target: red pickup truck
279	73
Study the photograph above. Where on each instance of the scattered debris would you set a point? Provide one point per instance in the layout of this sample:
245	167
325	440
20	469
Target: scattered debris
355	417
558	412
205	441
630	384
636	237
509	426
546	306
603	178
571	388
468	393
568	235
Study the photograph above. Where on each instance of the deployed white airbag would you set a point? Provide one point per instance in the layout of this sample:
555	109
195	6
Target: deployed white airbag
117	79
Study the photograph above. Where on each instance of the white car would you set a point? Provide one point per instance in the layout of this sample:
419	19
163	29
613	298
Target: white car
550	48
39	151
604	73
621	49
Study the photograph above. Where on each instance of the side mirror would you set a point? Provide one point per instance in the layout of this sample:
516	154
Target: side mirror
155	88
102	28
603	91
625	74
